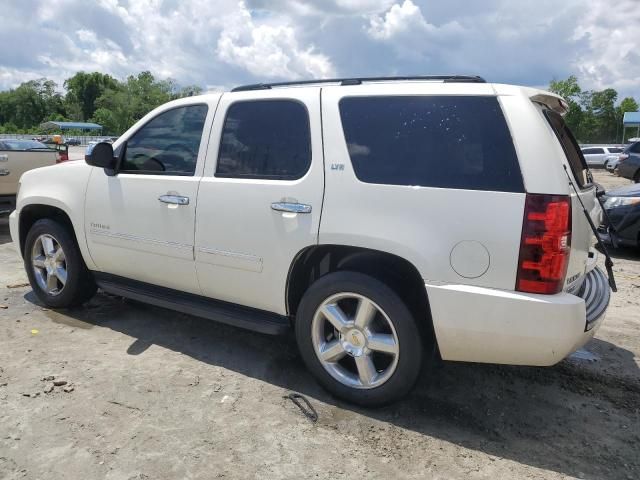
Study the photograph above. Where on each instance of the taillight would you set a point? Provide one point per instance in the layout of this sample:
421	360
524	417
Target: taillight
545	244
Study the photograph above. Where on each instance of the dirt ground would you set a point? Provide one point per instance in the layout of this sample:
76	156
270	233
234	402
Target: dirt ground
159	395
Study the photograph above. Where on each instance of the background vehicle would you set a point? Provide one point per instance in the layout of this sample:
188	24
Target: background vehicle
597	156
623	209
239	207
17	157
629	162
612	164
73	142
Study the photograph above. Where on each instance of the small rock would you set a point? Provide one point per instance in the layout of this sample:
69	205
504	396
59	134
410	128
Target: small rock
59	383
48	388
4	307
68	389
3	384
17	285
48	378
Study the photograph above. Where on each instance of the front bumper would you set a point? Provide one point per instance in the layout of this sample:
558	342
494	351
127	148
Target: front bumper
476	324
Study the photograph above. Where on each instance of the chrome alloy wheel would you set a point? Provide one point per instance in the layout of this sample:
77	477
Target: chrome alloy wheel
355	341
49	264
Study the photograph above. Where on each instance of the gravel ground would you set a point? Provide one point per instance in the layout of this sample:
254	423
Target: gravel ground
155	394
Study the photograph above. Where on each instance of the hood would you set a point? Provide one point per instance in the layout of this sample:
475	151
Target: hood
632	190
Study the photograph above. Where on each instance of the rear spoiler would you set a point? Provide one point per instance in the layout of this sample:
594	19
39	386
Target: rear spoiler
551	100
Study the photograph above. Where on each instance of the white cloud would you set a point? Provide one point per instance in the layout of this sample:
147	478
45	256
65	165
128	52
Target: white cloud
268	50
398	19
227	42
613	57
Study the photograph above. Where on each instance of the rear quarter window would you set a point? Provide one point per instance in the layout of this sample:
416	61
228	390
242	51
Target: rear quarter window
570	146
460	142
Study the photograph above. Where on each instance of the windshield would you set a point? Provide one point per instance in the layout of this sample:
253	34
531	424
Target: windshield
21	145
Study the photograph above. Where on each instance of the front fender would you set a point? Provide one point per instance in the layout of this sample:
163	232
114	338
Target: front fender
63	187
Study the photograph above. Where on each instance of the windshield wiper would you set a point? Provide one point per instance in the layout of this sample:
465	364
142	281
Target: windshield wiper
608	263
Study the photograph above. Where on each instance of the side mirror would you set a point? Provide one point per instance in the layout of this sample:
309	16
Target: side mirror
600	191
101	155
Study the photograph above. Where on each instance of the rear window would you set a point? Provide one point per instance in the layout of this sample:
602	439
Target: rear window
431	141
570	146
592	151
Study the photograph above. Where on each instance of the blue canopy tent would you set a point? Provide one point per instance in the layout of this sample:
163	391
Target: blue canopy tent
71	126
631	119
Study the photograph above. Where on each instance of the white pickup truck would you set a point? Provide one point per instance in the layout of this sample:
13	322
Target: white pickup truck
17	157
384	220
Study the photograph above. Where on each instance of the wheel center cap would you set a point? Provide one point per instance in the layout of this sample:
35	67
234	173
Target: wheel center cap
354	342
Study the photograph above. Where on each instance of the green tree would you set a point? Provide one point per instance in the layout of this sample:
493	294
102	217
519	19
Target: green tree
83	89
627	104
571	92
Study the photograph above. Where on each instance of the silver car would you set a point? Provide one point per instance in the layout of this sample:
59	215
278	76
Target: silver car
598	156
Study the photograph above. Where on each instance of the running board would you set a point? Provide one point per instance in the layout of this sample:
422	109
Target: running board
219	311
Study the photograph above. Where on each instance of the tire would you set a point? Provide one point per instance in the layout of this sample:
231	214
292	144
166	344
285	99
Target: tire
78	286
387	376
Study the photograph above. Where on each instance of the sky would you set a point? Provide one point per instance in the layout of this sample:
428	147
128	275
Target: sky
218	44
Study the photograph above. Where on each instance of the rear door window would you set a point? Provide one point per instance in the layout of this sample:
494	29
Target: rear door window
431	141
265	139
615	150
570	146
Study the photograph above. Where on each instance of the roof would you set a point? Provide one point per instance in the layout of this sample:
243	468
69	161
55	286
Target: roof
631	119
71	126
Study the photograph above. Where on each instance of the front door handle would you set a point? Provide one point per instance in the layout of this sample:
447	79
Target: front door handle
4	172
4	158
174	199
291	207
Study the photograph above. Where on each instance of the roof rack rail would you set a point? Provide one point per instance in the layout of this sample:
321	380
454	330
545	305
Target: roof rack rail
360	80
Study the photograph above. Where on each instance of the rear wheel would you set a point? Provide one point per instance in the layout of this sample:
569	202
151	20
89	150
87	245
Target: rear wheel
54	265
359	339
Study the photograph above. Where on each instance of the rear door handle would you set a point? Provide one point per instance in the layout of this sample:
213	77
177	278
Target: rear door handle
4	172
174	199
4	158
291	207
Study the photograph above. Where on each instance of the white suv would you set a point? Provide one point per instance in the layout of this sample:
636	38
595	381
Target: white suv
385	220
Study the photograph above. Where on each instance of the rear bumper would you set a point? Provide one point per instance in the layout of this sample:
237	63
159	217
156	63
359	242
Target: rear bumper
515	328
596	294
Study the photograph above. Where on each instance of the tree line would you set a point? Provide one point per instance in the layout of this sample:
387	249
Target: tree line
90	97
594	116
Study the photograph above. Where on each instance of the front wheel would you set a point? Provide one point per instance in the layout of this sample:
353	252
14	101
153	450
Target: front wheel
359	339
54	265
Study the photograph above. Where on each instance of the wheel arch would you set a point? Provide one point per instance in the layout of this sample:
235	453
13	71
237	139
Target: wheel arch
401	275
31	213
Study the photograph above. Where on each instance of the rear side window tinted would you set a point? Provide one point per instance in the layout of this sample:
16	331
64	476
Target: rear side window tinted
592	151
615	150
635	148
267	139
432	141
570	147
